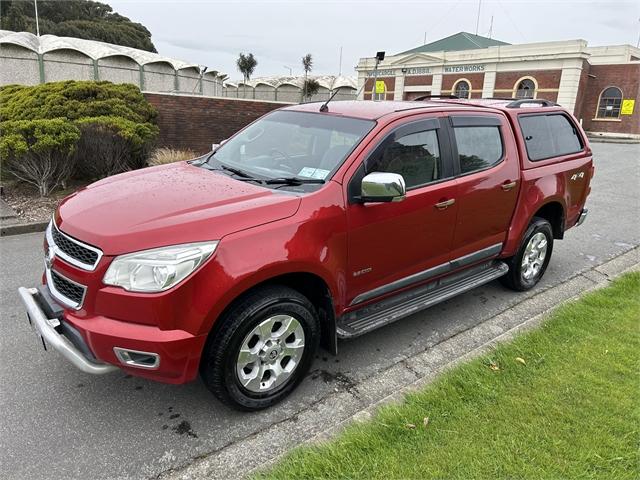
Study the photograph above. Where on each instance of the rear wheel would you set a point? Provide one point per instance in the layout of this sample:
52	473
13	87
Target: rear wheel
262	349
527	267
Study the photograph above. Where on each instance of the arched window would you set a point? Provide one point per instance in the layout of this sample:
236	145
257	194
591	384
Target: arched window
526	88
609	104
462	89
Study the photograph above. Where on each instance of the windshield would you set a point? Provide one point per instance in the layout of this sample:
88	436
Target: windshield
285	145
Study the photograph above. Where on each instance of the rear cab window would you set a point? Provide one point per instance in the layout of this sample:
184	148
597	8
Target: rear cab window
549	135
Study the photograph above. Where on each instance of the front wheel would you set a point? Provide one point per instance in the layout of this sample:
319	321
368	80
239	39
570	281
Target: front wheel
527	267
262	349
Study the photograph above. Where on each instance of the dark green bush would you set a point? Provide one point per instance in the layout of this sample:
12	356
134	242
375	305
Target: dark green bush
115	125
74	100
110	145
39	152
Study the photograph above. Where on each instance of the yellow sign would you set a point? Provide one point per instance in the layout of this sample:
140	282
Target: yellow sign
380	87
627	107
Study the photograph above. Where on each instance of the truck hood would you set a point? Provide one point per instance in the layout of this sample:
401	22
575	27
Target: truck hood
168	205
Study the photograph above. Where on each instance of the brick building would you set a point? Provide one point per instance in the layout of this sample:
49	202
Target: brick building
600	85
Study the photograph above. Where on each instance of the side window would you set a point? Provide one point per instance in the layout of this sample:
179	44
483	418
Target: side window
415	156
479	147
564	134
548	136
537	136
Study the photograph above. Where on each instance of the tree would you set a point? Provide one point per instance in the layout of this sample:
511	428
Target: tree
246	65
311	87
75	18
307	65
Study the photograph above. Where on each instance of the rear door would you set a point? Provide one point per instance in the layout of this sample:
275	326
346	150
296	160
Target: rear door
488	178
397	244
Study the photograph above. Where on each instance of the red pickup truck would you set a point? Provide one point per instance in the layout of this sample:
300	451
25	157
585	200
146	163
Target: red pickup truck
312	224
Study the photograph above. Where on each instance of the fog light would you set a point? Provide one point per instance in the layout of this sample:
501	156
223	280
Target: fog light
136	358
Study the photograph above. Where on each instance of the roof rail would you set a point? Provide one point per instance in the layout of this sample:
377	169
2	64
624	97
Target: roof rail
427	97
544	103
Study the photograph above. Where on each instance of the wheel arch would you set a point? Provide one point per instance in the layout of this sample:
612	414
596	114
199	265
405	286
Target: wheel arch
553	210
554	213
312	285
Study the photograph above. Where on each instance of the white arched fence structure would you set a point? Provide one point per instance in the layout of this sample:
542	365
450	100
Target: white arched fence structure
290	89
29	60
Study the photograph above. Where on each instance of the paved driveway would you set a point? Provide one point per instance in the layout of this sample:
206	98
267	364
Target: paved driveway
58	422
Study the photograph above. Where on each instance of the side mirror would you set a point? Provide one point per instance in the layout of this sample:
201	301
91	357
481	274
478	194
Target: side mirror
383	187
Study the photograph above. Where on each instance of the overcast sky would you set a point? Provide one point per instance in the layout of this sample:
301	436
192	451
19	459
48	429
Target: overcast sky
213	32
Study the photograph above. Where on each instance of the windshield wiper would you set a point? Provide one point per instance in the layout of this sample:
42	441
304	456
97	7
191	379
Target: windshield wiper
237	171
240	174
292	181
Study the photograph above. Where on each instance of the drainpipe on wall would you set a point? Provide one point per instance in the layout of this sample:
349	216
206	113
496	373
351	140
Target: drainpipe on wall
41	66
142	77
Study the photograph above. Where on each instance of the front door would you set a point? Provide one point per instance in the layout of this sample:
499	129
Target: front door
397	244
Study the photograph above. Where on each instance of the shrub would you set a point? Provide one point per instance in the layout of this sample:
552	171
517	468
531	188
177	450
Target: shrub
114	124
311	87
74	100
110	145
39	151
162	156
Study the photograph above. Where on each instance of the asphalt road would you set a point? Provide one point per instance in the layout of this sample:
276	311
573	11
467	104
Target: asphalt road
58	422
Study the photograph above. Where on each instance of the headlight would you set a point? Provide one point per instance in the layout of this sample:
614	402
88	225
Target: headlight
158	269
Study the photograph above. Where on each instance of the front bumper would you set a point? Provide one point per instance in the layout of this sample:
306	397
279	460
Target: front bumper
46	328
99	345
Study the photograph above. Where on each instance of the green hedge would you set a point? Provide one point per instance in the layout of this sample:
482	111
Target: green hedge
108	128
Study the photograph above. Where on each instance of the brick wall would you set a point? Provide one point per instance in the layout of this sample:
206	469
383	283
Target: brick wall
582	90
390	84
476	79
625	77
414	80
191	122
505	81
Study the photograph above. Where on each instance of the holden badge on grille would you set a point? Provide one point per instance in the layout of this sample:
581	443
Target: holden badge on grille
49	255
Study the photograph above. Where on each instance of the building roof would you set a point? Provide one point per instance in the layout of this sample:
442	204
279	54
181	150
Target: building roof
456	42
91	48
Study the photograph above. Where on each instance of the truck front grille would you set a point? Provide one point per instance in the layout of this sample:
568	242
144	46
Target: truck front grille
73	251
65	290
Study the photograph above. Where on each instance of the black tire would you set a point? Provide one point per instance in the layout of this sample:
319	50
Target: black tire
218	364
514	279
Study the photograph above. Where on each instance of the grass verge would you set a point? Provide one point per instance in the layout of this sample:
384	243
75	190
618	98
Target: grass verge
562	401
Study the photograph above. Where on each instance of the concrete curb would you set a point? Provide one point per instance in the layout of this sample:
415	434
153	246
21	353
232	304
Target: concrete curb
331	414
20	228
598	139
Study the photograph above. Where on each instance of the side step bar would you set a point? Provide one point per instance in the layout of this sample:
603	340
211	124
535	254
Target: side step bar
407	303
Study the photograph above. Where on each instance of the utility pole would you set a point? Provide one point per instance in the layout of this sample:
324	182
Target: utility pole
35	4
491	28
425	38
478	18
290	70
340	68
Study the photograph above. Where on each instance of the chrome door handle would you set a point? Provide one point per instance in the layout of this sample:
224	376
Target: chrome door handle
508	186
445	204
